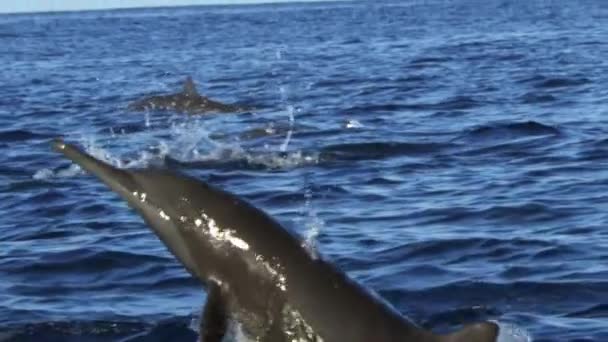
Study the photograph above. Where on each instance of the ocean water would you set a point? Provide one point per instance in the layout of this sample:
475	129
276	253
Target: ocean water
450	155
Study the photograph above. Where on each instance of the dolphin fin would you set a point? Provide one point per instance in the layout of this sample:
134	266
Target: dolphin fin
477	332
189	87
214	321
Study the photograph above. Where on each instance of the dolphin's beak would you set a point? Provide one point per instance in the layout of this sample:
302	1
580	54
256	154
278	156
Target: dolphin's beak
118	180
125	185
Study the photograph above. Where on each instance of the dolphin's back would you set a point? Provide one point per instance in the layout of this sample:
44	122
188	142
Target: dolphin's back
273	256
186	101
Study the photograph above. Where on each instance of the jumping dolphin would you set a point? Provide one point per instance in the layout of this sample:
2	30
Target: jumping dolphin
256	273
187	101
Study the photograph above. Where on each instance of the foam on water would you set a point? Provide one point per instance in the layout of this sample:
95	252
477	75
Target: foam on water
191	143
352	124
508	332
46	173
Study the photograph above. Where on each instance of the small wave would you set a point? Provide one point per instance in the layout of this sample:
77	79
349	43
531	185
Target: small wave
335	82
554	252
425	249
544	82
507	214
455	251
9	35
272	197
560	82
595	311
377	108
352	41
422	60
452	103
426	62
510	57
171	329
529	212
512	129
70	331
525	290
44	235
238	158
459	315
374	150
536	97
20	135
599	143
85	261
48	196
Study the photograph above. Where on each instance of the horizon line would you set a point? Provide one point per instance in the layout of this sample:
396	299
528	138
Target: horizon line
133	7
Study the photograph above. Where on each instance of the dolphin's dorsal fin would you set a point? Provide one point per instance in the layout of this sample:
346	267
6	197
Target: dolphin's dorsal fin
190	87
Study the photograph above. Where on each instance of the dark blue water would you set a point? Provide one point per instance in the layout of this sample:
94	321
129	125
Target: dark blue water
451	155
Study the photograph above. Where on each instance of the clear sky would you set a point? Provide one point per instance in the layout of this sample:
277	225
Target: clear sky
12	6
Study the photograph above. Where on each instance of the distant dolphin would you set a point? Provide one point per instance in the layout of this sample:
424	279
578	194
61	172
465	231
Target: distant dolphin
256	273
187	101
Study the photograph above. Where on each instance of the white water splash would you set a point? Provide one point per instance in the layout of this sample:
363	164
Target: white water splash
313	225
508	332
353	124
283	93
186	153
47	173
190	142
92	147
143	159
192	147
290	112
234	331
147	158
187	137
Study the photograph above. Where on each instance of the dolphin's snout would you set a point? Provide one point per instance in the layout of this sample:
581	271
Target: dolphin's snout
117	179
58	144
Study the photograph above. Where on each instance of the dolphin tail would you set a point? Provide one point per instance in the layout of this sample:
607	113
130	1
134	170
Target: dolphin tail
477	332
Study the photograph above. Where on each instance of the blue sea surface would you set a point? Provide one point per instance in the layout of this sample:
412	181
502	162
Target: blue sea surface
450	155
